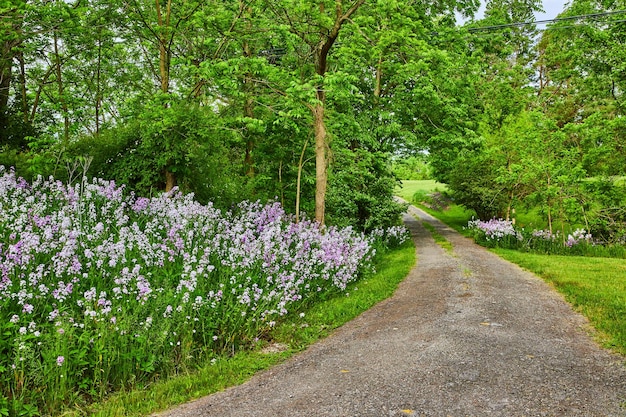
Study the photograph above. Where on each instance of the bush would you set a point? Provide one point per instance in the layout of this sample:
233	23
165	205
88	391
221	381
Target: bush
498	233
472	185
361	192
412	168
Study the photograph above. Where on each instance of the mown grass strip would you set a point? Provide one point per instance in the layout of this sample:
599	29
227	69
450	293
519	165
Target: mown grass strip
596	287
438	237
320	320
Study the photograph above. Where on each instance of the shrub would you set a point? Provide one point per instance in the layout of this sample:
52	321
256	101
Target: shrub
503	234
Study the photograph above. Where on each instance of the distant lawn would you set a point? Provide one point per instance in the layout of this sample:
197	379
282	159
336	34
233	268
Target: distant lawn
409	188
596	287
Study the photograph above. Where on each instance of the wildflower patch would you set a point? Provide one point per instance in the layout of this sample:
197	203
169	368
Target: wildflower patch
100	288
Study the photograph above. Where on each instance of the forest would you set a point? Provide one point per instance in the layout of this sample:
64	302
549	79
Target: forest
311	103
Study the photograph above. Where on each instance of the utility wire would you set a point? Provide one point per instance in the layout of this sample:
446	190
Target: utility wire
558	19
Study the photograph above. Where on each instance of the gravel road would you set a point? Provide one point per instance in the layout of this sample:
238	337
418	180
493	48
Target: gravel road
466	334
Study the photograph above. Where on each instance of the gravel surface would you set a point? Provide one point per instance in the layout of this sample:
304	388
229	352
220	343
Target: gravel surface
466	334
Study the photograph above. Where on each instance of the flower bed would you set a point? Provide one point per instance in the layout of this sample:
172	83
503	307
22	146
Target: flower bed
100	289
504	234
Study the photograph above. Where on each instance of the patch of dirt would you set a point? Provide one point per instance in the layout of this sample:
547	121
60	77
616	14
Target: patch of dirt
512	348
275	348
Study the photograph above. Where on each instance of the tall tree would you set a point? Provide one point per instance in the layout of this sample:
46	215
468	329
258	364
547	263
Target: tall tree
11	19
317	25
158	27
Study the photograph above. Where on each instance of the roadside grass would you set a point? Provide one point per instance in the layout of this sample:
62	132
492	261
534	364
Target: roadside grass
596	287
455	216
321	319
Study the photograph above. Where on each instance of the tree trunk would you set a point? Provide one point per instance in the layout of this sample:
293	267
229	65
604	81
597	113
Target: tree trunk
319	123
98	102
248	111
549	204
321	162
299	180
5	85
164	52
379	79
165	55
248	90
170	181
7	30
23	87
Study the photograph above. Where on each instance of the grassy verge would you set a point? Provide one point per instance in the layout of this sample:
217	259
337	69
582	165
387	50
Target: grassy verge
596	287
321	319
438	237
455	216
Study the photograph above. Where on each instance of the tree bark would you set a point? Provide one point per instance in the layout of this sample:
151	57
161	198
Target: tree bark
23	87
299	180
322	139
321	162
165	54
379	78
170	180
248	105
8	28
5	86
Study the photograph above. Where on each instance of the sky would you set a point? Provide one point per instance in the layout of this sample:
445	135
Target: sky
552	9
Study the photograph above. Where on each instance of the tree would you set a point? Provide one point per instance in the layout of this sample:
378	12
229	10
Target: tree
317	25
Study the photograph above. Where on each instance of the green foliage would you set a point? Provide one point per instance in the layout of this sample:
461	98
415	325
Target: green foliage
471	182
180	137
412	168
15	131
361	191
607	214
220	96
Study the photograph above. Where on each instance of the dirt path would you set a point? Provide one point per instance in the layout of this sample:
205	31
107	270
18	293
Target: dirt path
466	334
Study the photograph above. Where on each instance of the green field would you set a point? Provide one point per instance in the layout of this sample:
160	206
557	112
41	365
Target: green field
409	188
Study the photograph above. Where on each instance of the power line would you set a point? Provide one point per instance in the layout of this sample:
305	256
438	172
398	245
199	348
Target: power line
555	20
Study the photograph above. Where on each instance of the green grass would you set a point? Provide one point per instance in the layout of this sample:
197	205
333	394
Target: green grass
438	237
455	216
596	287
297	333
409	188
